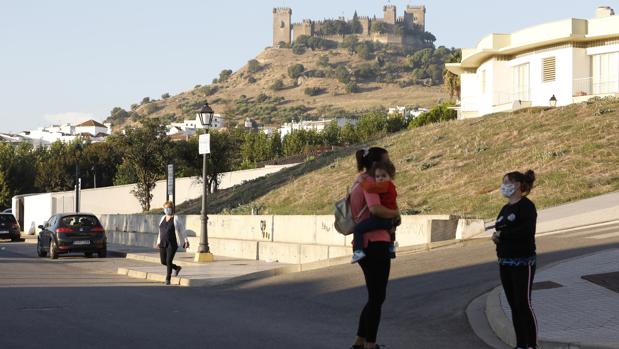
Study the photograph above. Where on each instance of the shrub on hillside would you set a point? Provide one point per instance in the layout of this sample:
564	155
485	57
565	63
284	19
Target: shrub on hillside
251	79
253	66
295	70
313	91
352	87
145	100
323	61
277	85
438	113
224	75
298	50
165	96
342	74
209	90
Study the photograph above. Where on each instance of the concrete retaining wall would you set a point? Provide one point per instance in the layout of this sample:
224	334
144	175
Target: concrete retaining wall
287	239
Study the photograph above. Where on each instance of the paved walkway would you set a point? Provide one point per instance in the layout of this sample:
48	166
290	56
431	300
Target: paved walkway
569	308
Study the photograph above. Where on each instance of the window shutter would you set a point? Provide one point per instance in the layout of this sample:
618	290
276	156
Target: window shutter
549	71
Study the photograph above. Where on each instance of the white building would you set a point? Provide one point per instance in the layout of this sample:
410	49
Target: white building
316	125
218	122
93	128
572	59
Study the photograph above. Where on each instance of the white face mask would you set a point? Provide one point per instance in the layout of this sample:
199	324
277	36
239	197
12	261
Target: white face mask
168	211
507	189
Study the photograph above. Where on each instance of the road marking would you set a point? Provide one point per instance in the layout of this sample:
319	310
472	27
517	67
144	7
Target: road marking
590	232
604	236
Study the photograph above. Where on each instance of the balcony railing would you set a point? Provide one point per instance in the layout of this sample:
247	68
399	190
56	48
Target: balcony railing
505	97
592	87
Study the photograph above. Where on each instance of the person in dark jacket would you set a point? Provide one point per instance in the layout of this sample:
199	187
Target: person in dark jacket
171	233
515	246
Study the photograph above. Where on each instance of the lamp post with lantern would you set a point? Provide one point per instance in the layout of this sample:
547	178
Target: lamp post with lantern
553	101
205	114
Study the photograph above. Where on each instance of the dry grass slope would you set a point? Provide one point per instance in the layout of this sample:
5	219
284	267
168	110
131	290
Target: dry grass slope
456	167
275	63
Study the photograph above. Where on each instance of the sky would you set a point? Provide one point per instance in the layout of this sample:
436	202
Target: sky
71	60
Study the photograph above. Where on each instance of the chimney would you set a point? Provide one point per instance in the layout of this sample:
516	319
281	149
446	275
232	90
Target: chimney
604	11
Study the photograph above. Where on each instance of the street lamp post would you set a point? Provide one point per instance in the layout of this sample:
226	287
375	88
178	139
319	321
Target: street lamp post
205	114
78	181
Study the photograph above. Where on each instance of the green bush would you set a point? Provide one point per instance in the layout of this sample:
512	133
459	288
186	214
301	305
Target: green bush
251	79
342	74
145	100
352	87
438	113
298	50
295	70
165	96
224	75
323	61
277	85
313	91
253	66
209	90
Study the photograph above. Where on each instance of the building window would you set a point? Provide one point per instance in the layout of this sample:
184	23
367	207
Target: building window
605	69
549	69
520	87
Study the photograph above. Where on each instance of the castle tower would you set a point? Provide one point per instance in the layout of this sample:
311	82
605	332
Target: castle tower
415	15
390	14
365	25
282	18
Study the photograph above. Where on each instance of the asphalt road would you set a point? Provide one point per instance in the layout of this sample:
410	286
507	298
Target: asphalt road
76	302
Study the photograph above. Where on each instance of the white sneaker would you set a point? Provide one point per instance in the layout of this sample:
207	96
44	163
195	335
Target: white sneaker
357	256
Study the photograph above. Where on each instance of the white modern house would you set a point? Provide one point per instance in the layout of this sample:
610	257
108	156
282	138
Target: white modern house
572	60
218	122
314	125
93	128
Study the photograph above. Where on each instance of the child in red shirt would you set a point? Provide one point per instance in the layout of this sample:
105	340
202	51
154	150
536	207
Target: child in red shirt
383	173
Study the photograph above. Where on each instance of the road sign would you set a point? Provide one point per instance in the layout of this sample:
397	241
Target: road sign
170	191
204	144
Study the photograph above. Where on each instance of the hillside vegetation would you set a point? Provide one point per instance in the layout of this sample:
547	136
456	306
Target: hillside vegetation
456	167
279	85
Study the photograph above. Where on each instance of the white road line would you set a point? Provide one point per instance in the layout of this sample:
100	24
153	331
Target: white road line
604	236
591	232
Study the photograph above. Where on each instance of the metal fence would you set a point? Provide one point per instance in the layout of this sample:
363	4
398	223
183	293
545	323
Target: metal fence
590	87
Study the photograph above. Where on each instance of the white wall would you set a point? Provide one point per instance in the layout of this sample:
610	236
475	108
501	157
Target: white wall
120	200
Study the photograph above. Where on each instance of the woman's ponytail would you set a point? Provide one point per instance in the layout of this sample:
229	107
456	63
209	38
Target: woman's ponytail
526	180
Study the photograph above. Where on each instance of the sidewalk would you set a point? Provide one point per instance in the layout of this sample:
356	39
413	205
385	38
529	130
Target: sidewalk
576	303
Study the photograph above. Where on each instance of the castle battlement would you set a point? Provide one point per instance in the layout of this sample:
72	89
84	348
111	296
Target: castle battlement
284	31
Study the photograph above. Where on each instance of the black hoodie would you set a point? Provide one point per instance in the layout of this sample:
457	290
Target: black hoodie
517	222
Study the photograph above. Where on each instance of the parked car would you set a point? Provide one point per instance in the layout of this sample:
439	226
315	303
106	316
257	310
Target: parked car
72	233
9	228
8	210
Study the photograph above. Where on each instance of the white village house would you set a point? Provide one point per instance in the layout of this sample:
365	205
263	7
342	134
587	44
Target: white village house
572	60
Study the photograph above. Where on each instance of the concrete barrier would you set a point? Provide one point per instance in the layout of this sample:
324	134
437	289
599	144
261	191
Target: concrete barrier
287	239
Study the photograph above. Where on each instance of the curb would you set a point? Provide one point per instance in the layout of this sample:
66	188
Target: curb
295	268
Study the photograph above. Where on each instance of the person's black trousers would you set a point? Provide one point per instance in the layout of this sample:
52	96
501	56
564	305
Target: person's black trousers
517	282
376	266
167	256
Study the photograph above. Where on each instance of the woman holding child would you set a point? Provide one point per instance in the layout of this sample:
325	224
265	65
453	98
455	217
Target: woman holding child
374	238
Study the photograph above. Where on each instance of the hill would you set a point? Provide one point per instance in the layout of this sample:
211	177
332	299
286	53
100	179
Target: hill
456	167
332	82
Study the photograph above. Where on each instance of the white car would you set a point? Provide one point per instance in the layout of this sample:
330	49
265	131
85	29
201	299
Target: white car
8	210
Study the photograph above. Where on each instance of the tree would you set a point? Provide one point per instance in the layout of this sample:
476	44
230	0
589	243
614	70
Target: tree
100	160
165	96
5	191
355	25
145	100
224	75
313	91
381	27
298	49
342	74
372	124
352	87
331	134
253	66
438	113
349	134
145	154
296	70
224	154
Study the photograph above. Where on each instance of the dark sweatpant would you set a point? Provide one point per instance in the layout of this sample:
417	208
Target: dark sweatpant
367	225
376	266
167	255
517	283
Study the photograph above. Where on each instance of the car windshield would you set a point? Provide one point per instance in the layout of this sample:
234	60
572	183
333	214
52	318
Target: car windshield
7	219
78	221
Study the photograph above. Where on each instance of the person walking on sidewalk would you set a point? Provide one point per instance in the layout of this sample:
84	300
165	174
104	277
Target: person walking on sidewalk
171	231
515	246
376	246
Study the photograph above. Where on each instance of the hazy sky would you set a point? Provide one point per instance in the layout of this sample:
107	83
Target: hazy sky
68	60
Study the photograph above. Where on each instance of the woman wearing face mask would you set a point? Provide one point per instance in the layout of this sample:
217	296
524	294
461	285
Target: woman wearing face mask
171	231
515	245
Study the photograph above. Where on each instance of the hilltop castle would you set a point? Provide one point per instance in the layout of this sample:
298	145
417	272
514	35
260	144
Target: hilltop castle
390	29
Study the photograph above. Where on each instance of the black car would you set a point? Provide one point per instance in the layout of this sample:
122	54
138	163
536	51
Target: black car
9	228
72	233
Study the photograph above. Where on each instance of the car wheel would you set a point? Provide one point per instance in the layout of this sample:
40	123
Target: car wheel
15	239
40	251
102	253
53	250
88	254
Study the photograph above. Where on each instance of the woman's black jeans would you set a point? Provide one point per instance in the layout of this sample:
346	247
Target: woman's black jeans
376	266
517	282
167	256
